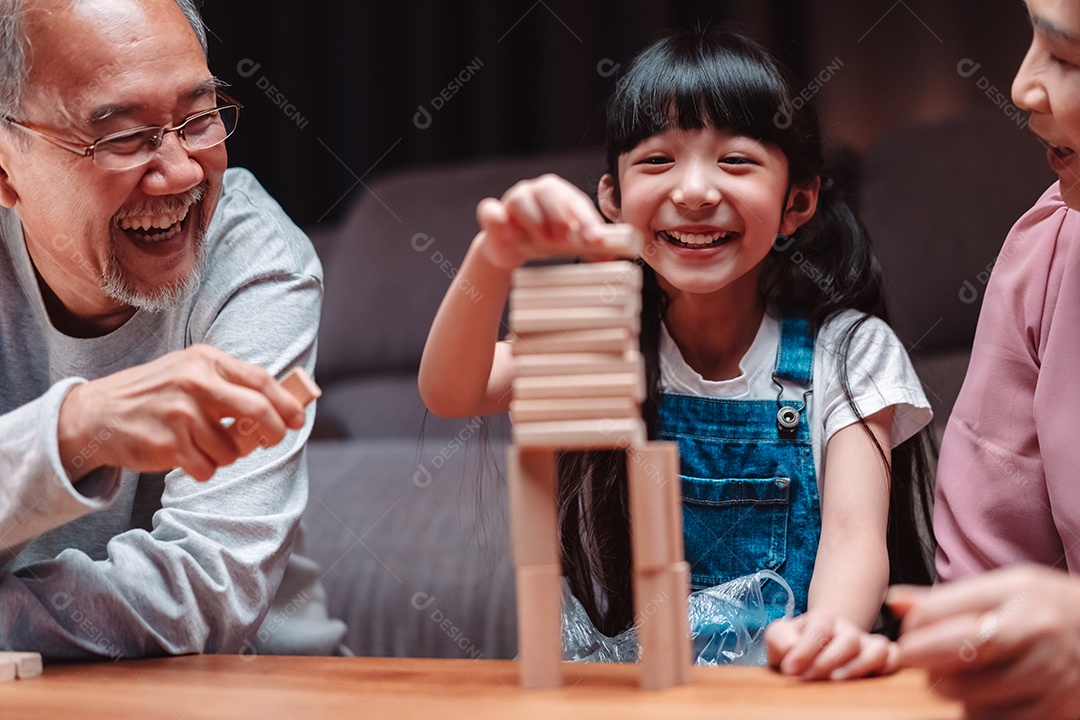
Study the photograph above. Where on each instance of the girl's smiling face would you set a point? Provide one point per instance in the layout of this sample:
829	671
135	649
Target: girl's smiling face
709	203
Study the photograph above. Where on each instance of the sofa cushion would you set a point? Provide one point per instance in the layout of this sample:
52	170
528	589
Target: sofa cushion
389	266
389	406
414	543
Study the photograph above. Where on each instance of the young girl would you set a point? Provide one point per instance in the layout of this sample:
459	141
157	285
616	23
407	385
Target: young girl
760	286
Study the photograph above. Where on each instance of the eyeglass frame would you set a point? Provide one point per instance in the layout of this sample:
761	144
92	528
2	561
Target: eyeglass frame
88	150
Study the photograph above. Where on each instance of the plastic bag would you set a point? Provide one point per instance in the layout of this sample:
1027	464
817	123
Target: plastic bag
727	625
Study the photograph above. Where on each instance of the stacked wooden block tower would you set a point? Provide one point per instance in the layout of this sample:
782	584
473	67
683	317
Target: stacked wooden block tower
578	383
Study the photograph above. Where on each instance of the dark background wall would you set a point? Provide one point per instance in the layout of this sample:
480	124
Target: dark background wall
337	93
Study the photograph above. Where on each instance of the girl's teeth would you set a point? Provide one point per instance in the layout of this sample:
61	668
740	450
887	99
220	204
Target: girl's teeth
695	238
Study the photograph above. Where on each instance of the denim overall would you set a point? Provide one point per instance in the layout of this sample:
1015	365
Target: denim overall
749	488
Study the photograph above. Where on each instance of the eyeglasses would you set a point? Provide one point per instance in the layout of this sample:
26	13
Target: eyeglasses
132	148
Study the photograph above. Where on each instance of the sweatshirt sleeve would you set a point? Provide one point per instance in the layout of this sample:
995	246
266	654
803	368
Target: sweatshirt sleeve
992	506
36	494
199	576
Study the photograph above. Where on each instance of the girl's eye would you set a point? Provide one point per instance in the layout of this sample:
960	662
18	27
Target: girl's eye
655	160
737	160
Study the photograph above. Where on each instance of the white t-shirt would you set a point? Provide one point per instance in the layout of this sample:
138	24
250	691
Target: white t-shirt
879	373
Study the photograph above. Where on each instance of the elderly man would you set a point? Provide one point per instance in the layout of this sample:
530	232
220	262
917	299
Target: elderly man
134	271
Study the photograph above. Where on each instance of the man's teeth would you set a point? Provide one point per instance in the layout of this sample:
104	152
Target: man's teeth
155	222
696	238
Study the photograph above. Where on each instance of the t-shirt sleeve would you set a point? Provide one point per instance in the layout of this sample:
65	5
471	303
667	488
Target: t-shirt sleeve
879	375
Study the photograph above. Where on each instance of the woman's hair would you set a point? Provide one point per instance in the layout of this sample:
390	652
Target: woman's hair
692	80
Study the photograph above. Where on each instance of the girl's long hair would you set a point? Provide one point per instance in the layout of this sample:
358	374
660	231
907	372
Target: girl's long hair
692	80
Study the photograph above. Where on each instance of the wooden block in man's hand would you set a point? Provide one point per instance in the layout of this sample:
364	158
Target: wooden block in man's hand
300	385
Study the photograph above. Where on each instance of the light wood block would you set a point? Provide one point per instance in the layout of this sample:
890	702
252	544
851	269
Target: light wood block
617	272
653	605
300	385
9	669
573	296
19	665
532	411
655	507
606	340
532	488
539	596
629	385
523	322
581	434
556	364
679	577
622	239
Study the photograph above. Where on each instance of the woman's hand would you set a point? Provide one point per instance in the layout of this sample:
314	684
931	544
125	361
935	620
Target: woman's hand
543	217
1006	643
819	646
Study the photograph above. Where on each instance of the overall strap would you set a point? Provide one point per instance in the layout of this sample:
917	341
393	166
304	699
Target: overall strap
795	356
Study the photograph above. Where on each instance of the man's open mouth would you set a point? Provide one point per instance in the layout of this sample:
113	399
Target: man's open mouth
154	228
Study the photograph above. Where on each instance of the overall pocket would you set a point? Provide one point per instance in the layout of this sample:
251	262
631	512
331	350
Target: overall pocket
734	526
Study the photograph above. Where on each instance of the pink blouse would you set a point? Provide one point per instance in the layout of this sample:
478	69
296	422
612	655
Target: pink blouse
1008	481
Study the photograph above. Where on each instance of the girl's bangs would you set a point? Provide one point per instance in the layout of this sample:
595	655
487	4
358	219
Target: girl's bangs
690	88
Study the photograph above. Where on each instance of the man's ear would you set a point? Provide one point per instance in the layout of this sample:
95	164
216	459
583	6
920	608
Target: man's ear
801	206
8	196
605	196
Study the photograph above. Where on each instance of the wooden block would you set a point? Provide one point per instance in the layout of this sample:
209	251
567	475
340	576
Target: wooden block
573	296
531	479
680	624
300	385
655	505
556	364
617	272
19	664
532	411
523	322
653	605
9	669
622	239
581	434
613	340
539	601
628	385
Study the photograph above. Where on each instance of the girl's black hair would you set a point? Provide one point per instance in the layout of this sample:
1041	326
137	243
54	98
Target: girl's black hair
692	80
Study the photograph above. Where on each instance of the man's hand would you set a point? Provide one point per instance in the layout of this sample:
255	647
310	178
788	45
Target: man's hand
1006	643
168	413
819	646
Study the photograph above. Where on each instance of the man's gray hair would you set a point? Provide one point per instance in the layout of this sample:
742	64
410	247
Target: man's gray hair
13	67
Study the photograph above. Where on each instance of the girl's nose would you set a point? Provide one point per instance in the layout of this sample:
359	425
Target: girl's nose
1028	91
696	190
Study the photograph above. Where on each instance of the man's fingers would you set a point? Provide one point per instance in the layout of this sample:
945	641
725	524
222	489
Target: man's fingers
977	595
951	644
270	404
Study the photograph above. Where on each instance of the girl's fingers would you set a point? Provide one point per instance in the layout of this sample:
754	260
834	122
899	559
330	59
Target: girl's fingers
814	638
842	649
876	655
780	637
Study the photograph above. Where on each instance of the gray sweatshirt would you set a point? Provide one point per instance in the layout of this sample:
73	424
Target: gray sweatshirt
129	565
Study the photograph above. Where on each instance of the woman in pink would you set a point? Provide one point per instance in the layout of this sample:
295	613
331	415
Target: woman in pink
1008	485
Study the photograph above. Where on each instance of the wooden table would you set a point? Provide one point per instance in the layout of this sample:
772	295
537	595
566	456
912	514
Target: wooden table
230	687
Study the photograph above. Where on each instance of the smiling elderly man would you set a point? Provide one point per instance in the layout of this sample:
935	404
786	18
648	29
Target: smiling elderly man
134	271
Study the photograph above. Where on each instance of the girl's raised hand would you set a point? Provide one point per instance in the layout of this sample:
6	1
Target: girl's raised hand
819	646
543	217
